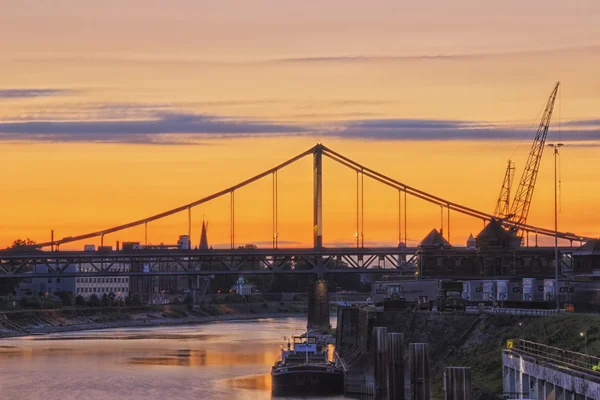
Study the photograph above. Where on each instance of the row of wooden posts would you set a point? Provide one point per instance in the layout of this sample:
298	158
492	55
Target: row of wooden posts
389	370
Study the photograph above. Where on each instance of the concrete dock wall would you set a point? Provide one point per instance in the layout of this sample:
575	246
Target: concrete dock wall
528	378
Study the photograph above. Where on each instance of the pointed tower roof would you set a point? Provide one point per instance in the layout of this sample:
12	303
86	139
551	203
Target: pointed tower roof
203	238
434	239
494	230
471	243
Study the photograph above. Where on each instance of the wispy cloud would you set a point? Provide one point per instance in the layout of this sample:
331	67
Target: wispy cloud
30	93
426	129
111	58
583	123
434	57
151	130
165	123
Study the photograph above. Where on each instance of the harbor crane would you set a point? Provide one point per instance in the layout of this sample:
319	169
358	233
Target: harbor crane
515	215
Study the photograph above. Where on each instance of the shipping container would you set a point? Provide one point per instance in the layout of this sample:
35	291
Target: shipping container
533	289
473	290
489	290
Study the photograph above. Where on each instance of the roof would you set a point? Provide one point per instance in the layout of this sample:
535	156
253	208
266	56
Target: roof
494	230
590	246
434	239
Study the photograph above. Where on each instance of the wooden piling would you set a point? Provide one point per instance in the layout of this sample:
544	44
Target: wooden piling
457	383
381	363
396	366
418	355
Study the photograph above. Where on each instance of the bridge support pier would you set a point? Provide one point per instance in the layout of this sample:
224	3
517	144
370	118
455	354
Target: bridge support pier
318	305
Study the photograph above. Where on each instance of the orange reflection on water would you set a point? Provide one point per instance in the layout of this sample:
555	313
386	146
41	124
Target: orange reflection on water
254	382
200	358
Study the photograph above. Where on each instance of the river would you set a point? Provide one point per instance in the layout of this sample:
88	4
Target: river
226	360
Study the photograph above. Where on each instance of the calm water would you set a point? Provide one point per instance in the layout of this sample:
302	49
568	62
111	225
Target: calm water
228	360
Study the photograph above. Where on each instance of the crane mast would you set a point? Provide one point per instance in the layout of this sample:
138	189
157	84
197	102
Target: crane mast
503	205
522	201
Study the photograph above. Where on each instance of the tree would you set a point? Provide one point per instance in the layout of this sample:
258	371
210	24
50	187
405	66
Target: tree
22	245
94	301
80	301
111	298
66	297
105	300
9	286
135	300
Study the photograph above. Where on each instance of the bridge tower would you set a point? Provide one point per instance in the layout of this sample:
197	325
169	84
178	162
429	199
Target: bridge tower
318	297
318	196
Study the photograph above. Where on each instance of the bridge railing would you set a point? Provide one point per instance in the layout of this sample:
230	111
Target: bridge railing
572	359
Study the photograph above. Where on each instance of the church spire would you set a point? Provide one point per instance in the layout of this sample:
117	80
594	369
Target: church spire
203	238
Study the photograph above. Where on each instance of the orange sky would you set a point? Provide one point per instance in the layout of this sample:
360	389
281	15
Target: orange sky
112	112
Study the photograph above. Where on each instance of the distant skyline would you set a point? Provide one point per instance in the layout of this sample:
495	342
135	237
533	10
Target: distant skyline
112	111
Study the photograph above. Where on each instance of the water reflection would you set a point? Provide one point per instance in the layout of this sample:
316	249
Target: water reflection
229	360
201	358
255	382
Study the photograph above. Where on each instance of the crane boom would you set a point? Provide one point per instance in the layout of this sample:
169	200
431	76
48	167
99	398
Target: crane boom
522	201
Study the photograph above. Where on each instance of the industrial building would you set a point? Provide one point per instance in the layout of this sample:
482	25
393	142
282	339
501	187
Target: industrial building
41	286
495	252
586	260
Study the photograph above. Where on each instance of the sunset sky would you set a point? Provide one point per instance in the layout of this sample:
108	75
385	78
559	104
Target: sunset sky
111	111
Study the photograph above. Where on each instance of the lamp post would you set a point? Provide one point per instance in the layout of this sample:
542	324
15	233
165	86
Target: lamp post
584	336
521	326
556	262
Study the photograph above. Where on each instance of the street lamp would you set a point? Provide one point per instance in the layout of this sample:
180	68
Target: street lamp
584	336
521	326
555	152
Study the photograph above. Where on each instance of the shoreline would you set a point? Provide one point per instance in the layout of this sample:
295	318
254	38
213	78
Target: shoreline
147	322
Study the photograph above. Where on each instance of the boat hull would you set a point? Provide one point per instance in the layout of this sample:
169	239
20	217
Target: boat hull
307	379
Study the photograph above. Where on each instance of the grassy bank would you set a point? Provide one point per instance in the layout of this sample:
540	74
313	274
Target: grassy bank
72	319
477	341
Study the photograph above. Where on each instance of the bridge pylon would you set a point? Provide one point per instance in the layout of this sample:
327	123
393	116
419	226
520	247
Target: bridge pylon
318	196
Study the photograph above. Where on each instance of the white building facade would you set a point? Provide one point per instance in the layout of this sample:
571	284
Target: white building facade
119	285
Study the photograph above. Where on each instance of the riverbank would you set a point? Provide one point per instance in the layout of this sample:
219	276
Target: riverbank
40	322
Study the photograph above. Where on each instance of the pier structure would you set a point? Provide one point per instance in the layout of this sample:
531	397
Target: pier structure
538	372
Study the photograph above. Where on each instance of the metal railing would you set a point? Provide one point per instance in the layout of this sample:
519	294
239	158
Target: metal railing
530	312
566	358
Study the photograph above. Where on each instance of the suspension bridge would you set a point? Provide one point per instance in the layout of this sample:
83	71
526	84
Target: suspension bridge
18	263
